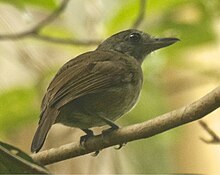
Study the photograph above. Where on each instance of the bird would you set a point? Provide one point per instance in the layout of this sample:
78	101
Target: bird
97	87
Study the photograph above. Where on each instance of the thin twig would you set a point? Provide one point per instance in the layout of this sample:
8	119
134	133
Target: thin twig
51	17
35	31
66	41
141	14
189	113
16	36
215	138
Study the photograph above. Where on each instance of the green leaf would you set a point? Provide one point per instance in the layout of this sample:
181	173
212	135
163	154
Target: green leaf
13	160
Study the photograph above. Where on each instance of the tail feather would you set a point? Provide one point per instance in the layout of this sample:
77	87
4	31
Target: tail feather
45	124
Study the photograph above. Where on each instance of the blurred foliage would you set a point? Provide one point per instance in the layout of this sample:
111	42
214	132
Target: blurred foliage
191	21
18	107
57	31
122	17
21	4
191	28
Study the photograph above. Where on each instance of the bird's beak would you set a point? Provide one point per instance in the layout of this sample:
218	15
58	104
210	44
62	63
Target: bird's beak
157	43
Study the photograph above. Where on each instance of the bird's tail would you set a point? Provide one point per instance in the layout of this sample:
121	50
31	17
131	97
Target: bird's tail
44	126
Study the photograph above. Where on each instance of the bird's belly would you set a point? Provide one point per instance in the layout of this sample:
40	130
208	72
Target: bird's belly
111	103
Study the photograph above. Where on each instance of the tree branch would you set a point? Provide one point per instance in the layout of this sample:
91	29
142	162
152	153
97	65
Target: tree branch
141	14
189	113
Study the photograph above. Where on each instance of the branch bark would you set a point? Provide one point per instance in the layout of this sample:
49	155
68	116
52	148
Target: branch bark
181	116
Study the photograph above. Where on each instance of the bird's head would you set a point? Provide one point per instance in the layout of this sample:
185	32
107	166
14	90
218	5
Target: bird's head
135	43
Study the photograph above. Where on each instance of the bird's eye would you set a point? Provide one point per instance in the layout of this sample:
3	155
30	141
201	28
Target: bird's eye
134	37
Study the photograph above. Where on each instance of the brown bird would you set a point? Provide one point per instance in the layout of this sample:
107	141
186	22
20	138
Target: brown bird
97	87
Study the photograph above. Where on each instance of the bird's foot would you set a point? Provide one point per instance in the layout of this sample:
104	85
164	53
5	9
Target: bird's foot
83	139
120	146
107	131
94	154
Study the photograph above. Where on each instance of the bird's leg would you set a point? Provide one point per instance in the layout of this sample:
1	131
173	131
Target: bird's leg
110	123
113	127
83	139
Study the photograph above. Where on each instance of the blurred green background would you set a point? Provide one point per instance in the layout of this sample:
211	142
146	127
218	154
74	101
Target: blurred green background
173	77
